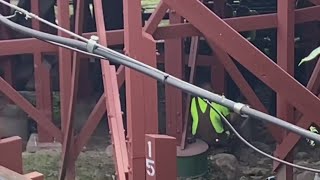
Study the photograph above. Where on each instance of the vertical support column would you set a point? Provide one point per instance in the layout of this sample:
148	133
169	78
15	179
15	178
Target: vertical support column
285	38
141	91
65	92
192	64
42	81
68	157
161	154
174	65
64	62
218	72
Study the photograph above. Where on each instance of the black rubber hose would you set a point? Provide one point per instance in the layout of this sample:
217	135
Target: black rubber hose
160	76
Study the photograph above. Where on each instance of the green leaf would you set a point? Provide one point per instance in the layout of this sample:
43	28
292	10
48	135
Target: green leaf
311	56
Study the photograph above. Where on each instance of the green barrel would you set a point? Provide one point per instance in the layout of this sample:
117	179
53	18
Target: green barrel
193	162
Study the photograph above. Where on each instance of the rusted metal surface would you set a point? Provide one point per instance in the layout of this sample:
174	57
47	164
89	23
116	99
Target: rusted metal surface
161	156
11	153
285	59
174	65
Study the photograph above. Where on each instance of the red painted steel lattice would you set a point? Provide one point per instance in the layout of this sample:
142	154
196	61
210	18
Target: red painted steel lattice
141	91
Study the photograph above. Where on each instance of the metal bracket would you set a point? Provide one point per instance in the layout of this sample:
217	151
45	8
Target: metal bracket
92	43
237	107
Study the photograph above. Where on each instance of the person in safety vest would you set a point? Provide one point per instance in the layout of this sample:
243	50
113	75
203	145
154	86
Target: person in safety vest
207	124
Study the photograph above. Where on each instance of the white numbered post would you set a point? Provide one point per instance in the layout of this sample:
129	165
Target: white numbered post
160	153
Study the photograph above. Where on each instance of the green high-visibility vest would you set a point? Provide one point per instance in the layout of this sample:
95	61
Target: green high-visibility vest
214	116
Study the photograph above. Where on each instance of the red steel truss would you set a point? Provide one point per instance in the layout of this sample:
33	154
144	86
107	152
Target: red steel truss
141	91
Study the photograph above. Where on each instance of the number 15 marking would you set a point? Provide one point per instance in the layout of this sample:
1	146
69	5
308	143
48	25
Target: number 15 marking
149	162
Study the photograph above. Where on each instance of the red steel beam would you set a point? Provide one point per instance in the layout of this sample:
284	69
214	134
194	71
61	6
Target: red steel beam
239	24
17	46
238	78
174	65
291	140
243	85
155	18
218	72
192	64
285	59
9	47
112	101
27	107
68	159
264	68
99	109
64	62
141	91
161	154
42	81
